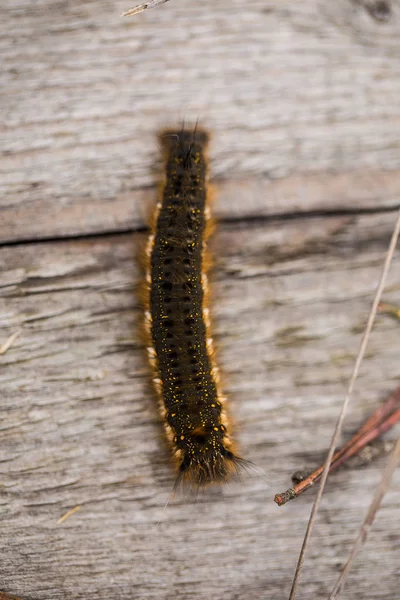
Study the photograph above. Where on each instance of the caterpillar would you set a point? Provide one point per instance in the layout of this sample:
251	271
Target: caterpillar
177	320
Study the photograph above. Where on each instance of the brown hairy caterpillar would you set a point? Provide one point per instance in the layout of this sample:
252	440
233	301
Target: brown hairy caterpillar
177	319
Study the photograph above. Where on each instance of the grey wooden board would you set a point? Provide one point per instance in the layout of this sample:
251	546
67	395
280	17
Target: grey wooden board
300	97
80	427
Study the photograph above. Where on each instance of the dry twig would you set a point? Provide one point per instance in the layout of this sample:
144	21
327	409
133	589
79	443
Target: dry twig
381	421
339	424
369	519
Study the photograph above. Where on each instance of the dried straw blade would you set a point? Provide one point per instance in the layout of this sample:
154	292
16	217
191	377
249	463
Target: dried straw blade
369	519
339	424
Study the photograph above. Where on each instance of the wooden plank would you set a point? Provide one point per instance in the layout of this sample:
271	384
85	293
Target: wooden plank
79	424
235	200
301	97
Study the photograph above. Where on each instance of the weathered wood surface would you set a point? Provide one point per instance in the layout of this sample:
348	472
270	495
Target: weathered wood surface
80	427
302	99
287	88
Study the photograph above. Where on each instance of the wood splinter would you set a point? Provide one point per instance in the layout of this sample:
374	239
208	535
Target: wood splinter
378	423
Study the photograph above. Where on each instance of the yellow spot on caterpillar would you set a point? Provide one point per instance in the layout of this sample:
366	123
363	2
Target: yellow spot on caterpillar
182	437
149	245
216	429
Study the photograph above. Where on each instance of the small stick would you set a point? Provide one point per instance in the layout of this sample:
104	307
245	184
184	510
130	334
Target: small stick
339	423
369	519
68	514
141	7
381	421
9	342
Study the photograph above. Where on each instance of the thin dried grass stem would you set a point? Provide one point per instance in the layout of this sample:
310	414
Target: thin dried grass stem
339	424
369	519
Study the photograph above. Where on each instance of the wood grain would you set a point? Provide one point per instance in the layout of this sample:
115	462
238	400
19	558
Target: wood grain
300	96
302	99
79	424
